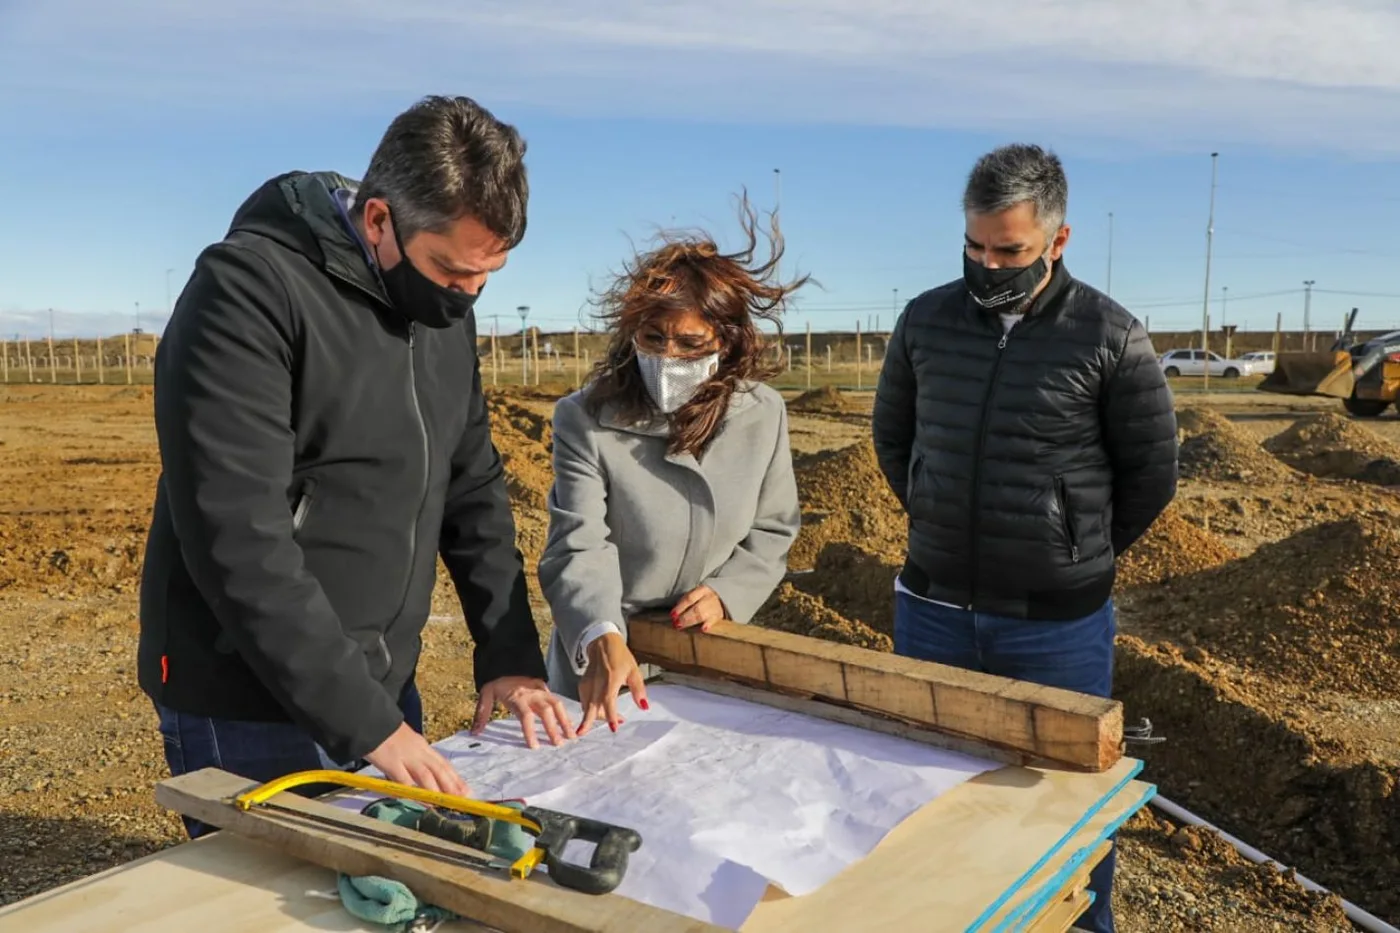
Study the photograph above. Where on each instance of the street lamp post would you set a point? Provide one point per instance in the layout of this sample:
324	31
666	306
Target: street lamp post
524	312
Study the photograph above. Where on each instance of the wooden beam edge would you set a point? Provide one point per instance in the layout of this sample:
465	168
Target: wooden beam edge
1057	725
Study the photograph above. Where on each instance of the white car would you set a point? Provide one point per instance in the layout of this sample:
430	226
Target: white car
1193	363
1262	361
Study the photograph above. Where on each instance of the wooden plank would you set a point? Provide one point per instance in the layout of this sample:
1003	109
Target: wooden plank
218	884
529	905
1069	902
1072	729
943	868
1062	916
1038	891
849	716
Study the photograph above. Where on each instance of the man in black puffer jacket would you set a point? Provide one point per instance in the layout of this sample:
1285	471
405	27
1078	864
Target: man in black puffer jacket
323	439
1024	422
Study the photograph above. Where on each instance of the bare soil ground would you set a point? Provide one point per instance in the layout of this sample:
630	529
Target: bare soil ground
1258	634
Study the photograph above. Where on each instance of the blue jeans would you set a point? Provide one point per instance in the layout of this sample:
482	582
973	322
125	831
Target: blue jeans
258	751
1075	655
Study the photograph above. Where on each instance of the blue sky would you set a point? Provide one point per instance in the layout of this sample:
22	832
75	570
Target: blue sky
133	129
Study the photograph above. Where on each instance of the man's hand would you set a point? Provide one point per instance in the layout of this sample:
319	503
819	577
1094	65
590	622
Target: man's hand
405	757
610	665
526	698
701	606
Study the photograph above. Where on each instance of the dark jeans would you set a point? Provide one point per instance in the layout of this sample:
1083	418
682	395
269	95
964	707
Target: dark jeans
258	751
1075	655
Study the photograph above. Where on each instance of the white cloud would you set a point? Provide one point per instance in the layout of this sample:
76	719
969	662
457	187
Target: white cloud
1185	73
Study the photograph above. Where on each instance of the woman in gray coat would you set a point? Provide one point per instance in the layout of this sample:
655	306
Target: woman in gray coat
673	484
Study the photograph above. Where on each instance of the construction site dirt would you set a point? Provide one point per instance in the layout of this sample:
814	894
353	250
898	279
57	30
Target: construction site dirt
1258	632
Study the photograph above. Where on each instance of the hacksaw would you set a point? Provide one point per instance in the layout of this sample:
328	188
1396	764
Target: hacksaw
552	830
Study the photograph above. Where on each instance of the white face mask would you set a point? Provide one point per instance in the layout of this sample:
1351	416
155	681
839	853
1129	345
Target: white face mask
671	381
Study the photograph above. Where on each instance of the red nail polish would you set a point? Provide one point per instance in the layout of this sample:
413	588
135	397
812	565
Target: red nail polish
644	704
612	726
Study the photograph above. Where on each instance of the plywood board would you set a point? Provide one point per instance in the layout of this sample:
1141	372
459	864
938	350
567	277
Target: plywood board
533	905
1062	726
1068	901
1063	915
1049	878
218	884
953	864
224	884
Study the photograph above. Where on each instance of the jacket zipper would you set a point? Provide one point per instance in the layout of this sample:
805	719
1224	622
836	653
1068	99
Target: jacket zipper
1062	494
975	519
423	430
423	493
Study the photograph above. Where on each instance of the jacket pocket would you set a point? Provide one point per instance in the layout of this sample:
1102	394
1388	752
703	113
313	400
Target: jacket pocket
911	483
1067	517
302	506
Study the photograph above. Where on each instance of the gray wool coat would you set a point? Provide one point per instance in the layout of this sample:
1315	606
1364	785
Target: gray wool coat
633	528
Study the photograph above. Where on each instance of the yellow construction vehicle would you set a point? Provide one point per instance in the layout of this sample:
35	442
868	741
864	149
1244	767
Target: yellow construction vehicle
1365	376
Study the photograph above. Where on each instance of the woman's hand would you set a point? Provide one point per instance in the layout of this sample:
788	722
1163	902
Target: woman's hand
701	606
610	665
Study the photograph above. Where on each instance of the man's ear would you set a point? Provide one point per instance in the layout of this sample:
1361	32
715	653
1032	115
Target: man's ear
1058	244
375	217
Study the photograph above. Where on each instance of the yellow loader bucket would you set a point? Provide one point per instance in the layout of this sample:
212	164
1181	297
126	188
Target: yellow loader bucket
1321	373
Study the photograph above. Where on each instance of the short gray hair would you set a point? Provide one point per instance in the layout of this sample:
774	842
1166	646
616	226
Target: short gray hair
446	158
1015	174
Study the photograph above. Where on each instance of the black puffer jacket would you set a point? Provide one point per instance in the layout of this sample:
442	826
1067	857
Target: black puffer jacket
319	452
1026	460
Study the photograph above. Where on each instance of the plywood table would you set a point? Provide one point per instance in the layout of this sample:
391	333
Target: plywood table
1009	850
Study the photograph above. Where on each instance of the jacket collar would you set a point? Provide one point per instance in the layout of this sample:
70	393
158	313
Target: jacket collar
314	198
1049	299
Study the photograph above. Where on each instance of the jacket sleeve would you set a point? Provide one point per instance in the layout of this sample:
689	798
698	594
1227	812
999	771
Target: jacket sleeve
223	404
749	576
1139	430
892	422
478	547
579	570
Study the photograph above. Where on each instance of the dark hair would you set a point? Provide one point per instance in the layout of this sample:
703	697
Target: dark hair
687	271
1015	174
446	158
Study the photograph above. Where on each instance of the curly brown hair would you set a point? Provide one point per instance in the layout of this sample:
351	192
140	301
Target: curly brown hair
687	271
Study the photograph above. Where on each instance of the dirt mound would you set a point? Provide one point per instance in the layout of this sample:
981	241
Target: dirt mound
1214	449
791	610
857	583
844	497
1331	445
69	556
827	400
1317	608
1310	801
1247	516
1171	548
524	441
521	419
1163	862
1191	421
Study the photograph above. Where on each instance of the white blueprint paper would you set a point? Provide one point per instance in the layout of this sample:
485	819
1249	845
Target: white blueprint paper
728	795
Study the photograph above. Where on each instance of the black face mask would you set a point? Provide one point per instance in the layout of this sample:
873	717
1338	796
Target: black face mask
1006	291
418	297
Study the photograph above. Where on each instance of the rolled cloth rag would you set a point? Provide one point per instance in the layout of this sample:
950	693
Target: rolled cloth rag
390	903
